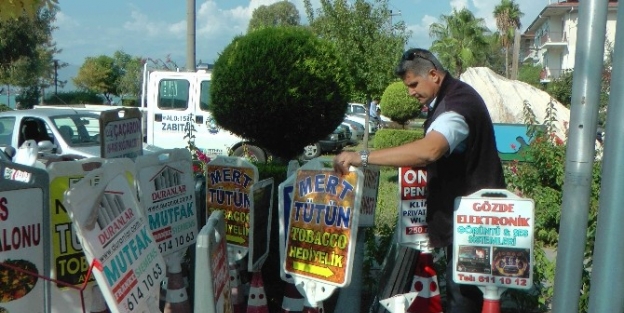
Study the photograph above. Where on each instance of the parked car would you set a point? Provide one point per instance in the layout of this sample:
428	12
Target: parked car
358	108
56	131
333	142
357	130
360	118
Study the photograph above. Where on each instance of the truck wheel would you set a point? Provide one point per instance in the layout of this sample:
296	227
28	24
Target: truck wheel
254	153
311	151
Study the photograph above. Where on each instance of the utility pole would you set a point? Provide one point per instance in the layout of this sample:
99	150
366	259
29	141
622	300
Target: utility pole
55	77
190	35
515	55
391	15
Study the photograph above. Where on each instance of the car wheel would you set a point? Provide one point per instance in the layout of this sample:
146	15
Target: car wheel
251	152
311	151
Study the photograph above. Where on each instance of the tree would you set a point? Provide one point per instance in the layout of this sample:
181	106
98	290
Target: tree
459	40
365	38
397	104
294	93
99	74
15	9
280	13
131	69
507	15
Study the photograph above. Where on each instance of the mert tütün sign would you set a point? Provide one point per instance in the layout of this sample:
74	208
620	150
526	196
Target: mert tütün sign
166	180
116	238
323	225
413	206
493	239
229	182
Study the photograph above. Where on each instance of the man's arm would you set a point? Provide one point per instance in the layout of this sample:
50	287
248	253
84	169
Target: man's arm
445	135
416	153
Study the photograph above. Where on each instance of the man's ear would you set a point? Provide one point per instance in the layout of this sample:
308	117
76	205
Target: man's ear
435	76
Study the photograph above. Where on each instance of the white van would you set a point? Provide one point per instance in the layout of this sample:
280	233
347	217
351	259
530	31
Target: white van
176	101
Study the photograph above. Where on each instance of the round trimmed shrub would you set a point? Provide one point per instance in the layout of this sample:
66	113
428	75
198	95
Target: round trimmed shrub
282	88
398	105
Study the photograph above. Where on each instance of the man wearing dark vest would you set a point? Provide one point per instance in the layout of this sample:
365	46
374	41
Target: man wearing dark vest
458	150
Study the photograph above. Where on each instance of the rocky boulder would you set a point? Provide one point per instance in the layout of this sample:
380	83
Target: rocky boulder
505	99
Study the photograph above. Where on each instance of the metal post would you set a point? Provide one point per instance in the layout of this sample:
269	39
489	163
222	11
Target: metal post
55	77
190	35
607	270
580	154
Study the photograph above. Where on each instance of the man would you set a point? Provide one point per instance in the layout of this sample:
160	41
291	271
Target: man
372	109
458	150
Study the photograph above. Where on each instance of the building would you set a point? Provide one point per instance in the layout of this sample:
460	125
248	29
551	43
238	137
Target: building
551	38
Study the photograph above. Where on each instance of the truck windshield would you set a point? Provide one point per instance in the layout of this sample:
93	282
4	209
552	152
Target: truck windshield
173	94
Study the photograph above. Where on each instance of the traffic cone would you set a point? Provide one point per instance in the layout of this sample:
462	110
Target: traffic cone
177	300
98	303
293	300
425	283
257	302
236	289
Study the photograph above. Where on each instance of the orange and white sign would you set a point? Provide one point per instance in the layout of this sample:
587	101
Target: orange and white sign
323	225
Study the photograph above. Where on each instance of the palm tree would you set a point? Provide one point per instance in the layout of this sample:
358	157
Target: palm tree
459	40
507	15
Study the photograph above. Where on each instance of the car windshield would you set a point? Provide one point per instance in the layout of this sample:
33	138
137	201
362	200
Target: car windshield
78	130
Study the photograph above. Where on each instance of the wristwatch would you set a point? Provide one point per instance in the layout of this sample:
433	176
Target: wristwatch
364	156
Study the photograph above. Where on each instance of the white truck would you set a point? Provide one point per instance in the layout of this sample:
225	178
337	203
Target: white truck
175	101
172	102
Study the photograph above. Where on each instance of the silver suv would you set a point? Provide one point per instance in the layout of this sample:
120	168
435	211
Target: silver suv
58	131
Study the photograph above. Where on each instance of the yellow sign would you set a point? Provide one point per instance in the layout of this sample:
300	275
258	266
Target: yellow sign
229	189
322	227
70	264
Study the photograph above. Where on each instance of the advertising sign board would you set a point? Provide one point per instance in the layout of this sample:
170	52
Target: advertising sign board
228	188
165	179
121	133
24	223
323	225
493	239
260	223
413	206
115	236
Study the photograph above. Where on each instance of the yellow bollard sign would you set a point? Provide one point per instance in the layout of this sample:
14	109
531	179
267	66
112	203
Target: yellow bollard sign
323	226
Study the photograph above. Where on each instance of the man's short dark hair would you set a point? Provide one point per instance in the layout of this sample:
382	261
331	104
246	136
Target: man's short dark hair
419	62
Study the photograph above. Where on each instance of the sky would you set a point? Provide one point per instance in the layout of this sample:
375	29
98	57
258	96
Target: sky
157	29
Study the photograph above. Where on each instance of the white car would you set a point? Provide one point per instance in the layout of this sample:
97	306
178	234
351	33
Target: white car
56	131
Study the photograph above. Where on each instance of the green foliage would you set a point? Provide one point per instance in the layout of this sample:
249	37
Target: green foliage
397	104
26	46
561	88
100	75
542	180
530	74
507	15
459	40
386	138
281	88
74	97
4	107
367	40
28	98
281	13
14	9
131	71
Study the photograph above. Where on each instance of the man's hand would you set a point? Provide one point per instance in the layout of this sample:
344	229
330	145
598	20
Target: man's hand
344	160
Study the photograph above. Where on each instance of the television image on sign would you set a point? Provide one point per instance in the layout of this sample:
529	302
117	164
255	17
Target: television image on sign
511	262
474	259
